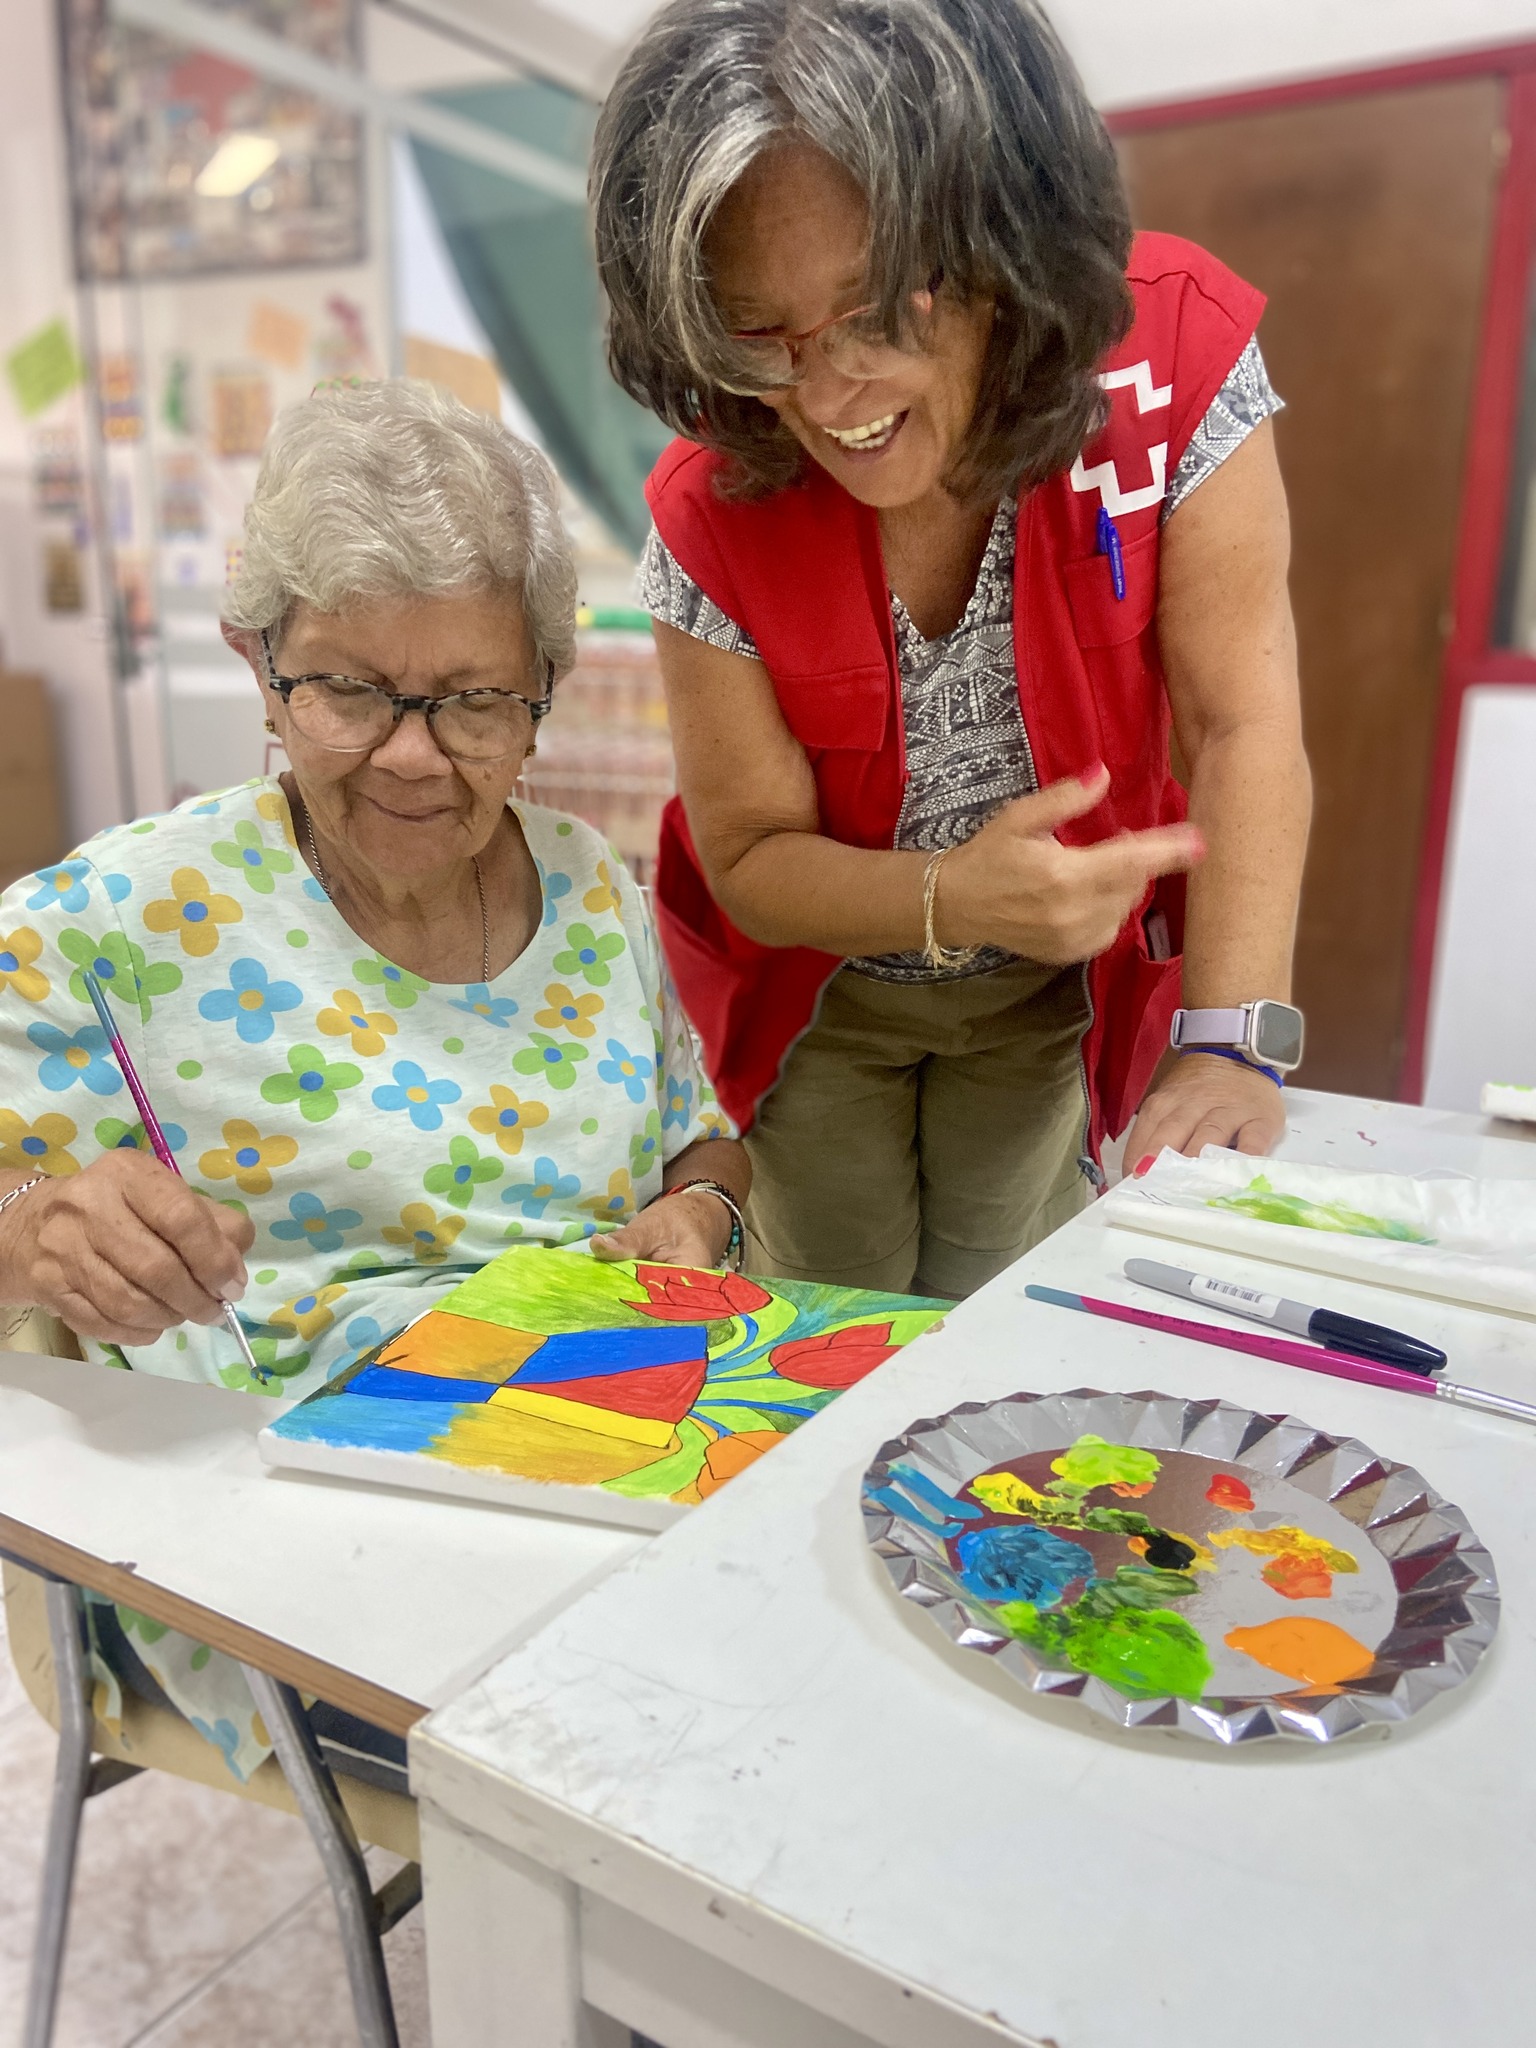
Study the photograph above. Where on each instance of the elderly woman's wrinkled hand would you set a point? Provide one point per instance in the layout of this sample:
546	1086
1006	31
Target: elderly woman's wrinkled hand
123	1250
1016	885
684	1229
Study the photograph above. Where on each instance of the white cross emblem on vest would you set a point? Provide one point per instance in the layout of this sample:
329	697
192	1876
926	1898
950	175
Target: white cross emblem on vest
1104	477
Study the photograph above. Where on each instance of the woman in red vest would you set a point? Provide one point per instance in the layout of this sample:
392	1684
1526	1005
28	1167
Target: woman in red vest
973	488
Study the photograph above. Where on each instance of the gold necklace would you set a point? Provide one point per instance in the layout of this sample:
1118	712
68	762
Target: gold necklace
485	923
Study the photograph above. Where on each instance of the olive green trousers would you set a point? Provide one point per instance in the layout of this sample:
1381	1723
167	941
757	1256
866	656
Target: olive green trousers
922	1135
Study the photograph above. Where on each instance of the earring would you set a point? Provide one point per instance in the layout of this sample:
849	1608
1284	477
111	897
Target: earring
269	725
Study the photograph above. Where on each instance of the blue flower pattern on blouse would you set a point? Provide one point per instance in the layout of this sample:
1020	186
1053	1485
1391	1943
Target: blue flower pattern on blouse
252	1001
422	1100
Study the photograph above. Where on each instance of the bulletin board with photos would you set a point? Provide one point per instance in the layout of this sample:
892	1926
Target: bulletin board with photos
162	134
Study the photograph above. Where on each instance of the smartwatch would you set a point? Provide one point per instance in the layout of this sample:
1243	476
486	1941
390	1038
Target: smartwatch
1265	1034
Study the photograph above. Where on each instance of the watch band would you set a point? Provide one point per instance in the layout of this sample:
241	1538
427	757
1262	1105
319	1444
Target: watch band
1214	1027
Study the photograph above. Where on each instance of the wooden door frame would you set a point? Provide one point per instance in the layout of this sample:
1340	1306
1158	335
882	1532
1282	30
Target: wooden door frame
1492	425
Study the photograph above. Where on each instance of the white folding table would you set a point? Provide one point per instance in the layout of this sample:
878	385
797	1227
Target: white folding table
739	1796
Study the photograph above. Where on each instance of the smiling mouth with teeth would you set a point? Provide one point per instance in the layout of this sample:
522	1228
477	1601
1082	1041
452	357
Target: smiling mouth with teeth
866	440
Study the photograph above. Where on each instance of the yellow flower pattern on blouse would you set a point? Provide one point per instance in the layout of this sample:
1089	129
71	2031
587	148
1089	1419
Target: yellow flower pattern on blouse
507	1118
247	1158
18	975
37	1147
193	911
426	1235
366	1028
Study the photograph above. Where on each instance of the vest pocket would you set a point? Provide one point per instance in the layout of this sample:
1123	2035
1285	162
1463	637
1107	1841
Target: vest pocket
1099	618
836	708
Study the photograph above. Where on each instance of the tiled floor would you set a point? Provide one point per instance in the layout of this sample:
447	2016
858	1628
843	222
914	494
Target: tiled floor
199	1921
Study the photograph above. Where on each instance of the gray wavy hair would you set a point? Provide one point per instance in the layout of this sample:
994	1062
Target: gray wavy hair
394	489
965	125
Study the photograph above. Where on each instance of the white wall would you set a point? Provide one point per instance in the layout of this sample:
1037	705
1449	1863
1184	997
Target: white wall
36	287
1140	52
1132	52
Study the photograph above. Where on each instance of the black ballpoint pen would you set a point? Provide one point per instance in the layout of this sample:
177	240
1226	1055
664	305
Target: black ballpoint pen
1323	1325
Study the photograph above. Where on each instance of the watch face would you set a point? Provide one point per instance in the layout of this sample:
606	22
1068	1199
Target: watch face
1277	1034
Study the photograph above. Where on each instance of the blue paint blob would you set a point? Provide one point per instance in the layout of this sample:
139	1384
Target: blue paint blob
1021	1562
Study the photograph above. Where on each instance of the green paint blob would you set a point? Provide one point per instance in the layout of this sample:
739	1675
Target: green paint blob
453	1045
1093	1462
358	1160
1143	1652
298	938
1260	1200
190	1069
589	1125
266	1276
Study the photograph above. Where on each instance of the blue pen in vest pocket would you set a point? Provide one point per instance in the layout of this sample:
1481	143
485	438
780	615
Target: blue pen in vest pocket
1109	544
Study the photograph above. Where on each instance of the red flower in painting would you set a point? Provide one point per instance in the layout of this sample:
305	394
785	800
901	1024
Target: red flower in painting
835	1361
681	1294
1227	1491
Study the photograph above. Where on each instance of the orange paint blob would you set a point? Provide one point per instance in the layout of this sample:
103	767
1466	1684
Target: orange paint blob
1133	1492
1229	1492
1316	1652
1299	1578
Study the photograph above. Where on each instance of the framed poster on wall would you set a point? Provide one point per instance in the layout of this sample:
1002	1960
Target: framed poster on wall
184	163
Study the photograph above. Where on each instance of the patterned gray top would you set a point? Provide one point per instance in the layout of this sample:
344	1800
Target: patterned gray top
968	753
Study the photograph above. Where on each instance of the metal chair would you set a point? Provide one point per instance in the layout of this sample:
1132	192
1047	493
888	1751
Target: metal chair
45	1621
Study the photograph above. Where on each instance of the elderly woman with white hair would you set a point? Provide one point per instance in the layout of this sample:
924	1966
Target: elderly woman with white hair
391	1018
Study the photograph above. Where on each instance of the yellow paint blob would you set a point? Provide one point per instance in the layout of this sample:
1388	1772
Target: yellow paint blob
1298	1646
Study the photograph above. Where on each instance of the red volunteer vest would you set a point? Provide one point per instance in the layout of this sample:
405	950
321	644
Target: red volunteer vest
802	572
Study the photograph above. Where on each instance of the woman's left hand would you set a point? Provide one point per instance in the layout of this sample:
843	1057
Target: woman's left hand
686	1229
1203	1101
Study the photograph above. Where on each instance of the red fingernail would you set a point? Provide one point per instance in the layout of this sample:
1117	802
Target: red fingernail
1144	1165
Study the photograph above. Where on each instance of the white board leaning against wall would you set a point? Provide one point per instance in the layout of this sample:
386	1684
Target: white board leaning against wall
1482	1016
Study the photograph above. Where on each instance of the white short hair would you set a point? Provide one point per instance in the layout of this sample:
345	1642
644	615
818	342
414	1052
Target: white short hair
394	489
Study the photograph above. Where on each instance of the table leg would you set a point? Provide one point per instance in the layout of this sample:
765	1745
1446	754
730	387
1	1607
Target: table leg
503	1947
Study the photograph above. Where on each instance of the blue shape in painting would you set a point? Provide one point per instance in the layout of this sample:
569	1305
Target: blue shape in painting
75	1056
595	1354
1021	1562
371	1422
251	1001
549	1184
384	1383
309	1222
627	1070
420	1098
479	1002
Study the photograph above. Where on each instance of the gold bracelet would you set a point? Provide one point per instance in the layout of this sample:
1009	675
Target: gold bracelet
935	954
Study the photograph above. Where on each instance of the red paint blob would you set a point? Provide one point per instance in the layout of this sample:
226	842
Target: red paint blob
1227	1491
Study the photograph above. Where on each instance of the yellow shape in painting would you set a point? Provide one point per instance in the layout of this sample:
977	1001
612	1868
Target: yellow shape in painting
530	1447
454	1348
634	1429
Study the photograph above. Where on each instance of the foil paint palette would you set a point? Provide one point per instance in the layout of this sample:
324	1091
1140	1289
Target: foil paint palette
1184	1565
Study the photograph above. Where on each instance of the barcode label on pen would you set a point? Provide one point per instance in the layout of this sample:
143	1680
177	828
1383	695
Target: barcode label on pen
1224	1291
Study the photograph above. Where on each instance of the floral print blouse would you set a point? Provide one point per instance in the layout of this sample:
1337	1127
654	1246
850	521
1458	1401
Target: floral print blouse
386	1135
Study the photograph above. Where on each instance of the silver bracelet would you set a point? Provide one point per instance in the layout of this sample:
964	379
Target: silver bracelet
21	1188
